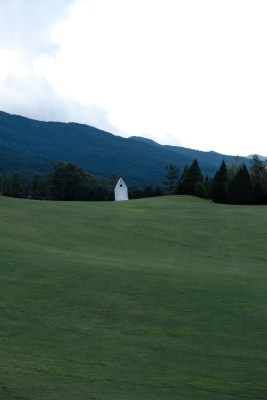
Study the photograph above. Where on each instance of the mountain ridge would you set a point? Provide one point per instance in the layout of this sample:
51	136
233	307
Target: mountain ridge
31	146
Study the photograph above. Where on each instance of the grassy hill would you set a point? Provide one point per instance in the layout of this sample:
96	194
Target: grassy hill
161	298
30	146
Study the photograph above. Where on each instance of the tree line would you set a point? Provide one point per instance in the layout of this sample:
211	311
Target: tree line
66	182
232	184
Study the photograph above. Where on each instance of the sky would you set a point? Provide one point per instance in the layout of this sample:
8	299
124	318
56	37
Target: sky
189	73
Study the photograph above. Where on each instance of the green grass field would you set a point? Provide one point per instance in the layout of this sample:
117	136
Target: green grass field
162	298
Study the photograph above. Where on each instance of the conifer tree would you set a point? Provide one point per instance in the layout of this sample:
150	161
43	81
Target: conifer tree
179	189
192	175
263	183
240	188
232	169
201	189
171	179
256	173
219	185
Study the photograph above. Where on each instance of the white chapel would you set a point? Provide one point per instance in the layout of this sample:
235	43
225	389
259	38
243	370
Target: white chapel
121	191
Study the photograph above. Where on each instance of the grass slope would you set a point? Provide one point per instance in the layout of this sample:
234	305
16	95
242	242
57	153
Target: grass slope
161	298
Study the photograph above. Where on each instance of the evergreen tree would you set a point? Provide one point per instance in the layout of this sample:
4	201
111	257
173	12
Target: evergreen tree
179	189
258	195
263	182
240	188
219	185
200	189
232	169
192	175
207	183
256	173
172	178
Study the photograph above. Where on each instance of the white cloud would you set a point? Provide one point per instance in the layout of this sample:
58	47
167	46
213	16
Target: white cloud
181	72
32	96
11	64
25	25
25	38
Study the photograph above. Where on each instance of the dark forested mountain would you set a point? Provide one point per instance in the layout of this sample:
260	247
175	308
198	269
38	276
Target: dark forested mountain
31	146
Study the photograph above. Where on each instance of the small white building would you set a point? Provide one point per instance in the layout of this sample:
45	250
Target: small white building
121	191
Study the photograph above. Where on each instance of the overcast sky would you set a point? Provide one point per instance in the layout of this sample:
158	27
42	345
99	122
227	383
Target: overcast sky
191	73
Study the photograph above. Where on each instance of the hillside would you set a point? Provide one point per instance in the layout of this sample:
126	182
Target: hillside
160	298
31	146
